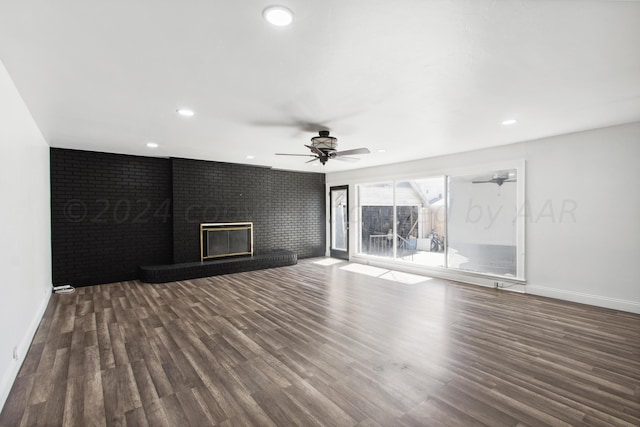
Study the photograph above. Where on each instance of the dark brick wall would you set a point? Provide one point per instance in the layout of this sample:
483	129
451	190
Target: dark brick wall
287	208
110	213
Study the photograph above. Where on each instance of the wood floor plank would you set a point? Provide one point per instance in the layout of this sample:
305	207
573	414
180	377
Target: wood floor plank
159	377
34	415
195	414
136	418
93	403
479	411
174	412
113	403
74	402
435	413
349	406
32	360
14	408
280	409
241	396
225	404
210	404
315	345
146	388
156	415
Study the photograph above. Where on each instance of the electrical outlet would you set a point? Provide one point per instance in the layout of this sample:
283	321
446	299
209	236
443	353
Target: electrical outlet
15	353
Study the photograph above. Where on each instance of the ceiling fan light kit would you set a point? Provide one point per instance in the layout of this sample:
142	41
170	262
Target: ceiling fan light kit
324	141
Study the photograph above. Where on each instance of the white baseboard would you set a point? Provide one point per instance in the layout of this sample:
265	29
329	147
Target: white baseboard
14	366
582	298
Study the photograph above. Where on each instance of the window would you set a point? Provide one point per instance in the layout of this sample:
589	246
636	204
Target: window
483	224
466	221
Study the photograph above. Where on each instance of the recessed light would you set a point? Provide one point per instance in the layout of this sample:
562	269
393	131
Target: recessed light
509	122
184	112
249	157
279	16
382	151
152	145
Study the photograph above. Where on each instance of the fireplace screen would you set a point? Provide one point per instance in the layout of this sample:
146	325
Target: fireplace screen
226	239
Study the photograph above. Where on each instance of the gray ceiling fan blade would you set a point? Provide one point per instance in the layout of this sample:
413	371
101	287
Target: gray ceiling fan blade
315	150
273	124
311	126
354	151
313	160
346	159
287	154
498	181
291	116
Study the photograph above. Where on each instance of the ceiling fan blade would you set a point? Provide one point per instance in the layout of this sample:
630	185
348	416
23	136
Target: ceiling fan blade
494	181
354	151
346	159
313	160
287	154
298	124
315	150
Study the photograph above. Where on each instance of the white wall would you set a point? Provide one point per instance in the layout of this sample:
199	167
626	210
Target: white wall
25	230
583	206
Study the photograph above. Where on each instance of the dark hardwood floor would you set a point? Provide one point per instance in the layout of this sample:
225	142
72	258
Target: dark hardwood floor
316	345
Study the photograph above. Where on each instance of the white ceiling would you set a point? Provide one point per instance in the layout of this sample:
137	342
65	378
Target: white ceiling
415	78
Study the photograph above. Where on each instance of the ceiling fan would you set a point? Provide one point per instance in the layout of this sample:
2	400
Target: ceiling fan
323	148
497	179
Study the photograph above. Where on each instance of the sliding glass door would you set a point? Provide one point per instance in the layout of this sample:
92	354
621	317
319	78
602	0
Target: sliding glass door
421	221
404	220
377	229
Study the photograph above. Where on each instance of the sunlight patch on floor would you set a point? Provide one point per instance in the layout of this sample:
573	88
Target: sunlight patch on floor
367	270
328	261
383	273
406	278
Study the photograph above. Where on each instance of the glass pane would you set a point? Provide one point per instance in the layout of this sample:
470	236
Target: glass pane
339	220
421	221
482	223
376	216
